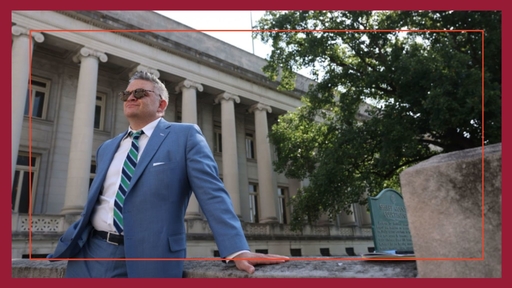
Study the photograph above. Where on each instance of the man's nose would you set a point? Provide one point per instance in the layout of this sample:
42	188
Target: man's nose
131	97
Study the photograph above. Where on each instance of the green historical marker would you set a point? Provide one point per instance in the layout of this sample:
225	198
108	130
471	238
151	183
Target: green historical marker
389	223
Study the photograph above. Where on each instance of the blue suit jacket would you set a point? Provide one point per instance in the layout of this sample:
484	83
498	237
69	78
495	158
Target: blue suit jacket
155	205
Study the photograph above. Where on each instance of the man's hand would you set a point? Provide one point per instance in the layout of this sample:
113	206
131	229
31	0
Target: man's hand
245	261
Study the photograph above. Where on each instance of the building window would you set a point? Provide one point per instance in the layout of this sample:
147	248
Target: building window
25	177
350	251
249	146
325	252
93	172
217	144
99	113
253	203
38	97
282	194
29	256
295	251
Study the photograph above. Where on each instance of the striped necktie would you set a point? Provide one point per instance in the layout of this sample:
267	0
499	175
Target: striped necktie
128	168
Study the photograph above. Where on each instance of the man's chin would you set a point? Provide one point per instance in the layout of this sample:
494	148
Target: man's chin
130	113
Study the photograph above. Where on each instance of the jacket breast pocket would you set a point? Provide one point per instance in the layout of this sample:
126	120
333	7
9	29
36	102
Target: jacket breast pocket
177	242
157	166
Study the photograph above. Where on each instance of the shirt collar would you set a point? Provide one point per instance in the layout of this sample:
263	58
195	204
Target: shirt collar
148	129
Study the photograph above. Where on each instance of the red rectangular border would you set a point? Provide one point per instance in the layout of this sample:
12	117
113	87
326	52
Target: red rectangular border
288	31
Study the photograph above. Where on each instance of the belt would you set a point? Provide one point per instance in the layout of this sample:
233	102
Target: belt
111	238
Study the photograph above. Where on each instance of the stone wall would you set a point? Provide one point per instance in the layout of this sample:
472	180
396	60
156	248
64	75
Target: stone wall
324	267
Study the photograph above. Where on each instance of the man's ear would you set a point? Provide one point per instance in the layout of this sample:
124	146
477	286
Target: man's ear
162	106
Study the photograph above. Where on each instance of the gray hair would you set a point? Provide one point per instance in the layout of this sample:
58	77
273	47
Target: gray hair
159	86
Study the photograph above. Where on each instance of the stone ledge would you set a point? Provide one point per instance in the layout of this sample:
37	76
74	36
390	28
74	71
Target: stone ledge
318	267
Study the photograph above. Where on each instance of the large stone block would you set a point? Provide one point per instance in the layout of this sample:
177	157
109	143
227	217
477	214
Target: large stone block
443	197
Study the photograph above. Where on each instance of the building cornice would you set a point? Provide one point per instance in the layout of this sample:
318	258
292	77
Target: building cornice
143	35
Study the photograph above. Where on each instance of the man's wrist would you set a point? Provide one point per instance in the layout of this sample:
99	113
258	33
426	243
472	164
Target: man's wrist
231	256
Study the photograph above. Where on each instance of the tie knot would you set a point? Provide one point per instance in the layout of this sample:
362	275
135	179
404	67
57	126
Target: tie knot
136	134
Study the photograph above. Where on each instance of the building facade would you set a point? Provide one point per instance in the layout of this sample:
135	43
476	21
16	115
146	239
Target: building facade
67	70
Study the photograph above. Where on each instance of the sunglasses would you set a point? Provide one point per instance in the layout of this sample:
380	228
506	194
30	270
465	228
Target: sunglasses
137	93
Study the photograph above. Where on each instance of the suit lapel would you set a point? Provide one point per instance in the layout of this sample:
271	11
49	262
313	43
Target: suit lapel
154	142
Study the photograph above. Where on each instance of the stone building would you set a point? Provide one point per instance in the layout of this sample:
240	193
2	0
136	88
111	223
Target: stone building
77	61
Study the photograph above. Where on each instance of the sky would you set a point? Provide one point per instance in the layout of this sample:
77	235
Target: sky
227	20
224	20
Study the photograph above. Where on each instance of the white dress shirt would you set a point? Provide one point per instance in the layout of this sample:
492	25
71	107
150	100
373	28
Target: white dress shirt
103	215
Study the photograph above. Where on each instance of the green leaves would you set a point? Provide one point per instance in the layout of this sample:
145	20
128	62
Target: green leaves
428	86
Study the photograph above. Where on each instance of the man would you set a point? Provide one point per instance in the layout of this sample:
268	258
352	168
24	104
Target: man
137	201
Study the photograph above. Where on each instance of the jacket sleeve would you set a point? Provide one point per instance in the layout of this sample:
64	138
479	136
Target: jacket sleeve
212	196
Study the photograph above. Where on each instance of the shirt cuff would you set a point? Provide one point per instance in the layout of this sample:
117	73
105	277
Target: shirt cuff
231	256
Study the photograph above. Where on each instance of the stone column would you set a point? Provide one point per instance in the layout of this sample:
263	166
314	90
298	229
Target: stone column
83	131
22	48
293	186
363	217
345	219
229	155
189	115
189	100
265	172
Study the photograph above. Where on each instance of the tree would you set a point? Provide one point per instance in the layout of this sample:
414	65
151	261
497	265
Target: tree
425	87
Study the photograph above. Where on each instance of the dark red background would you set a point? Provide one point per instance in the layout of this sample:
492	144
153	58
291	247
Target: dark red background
5	218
